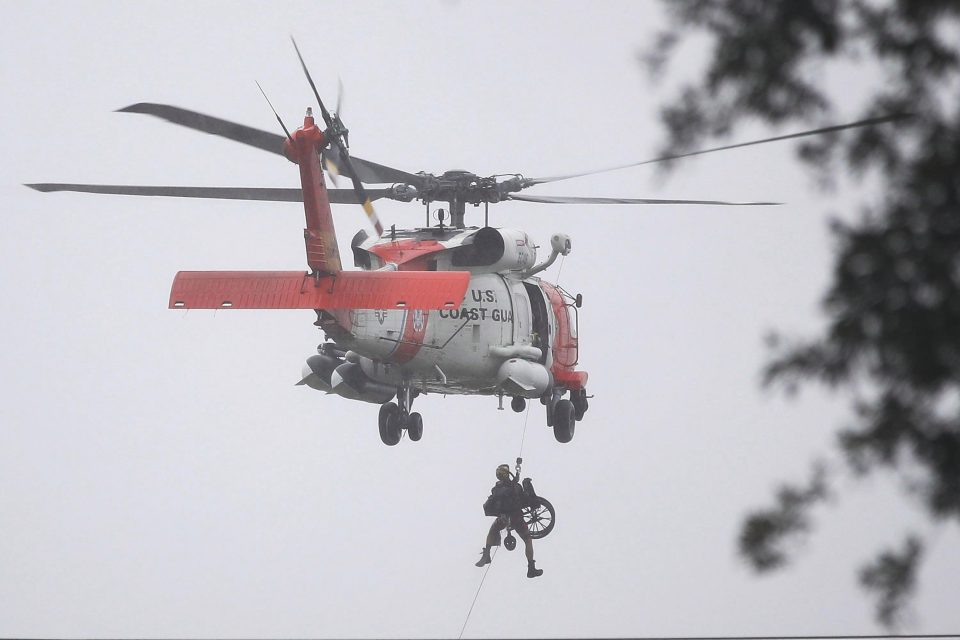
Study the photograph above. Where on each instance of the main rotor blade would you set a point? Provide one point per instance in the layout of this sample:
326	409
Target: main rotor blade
374	173
265	140
594	200
801	134
367	171
337	196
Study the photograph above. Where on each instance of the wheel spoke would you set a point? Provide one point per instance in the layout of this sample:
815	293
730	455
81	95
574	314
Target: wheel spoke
539	519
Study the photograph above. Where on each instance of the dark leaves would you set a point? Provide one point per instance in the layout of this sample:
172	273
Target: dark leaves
892	578
893	307
766	534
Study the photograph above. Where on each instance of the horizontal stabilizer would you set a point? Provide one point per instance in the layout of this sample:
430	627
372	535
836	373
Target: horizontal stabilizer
299	290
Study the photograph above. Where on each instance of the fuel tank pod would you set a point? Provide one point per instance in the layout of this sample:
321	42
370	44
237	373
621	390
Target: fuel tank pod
317	371
333	375
349	380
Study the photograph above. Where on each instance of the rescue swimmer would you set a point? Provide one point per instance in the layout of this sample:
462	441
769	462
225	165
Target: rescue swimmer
506	503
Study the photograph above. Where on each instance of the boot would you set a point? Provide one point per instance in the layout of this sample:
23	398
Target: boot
484	557
532	571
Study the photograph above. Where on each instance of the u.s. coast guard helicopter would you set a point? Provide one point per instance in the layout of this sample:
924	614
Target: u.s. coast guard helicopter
439	309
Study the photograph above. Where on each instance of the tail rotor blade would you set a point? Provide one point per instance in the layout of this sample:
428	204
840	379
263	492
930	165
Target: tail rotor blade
362	195
339	96
336	132
372	216
323	110
332	169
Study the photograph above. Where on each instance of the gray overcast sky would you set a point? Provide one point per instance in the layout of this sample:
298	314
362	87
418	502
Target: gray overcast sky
161	475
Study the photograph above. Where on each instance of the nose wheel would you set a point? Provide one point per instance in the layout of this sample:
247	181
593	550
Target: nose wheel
563	414
396	416
564	420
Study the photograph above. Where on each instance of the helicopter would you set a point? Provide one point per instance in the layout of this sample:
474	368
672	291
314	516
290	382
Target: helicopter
441	309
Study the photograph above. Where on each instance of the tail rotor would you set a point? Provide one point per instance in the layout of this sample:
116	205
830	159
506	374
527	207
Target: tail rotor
337	134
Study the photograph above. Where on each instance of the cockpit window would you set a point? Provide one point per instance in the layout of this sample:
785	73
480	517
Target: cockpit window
572	319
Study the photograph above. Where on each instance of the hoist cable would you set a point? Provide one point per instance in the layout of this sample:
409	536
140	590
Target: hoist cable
906	636
525	419
476	595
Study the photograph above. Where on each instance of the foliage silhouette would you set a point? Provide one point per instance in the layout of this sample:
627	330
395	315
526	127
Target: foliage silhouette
893	308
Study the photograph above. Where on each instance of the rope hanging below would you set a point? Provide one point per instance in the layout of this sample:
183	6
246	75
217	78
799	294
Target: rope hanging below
477	594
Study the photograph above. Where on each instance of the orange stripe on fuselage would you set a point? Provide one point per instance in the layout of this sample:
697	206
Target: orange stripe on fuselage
414	329
409	254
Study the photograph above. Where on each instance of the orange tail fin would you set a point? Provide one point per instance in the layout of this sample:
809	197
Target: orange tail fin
320	238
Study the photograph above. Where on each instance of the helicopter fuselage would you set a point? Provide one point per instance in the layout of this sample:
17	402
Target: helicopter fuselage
511	335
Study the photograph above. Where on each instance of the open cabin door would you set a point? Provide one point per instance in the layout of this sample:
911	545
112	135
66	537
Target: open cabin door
540	323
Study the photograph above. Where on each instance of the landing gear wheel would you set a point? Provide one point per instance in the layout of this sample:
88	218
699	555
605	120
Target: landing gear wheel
510	542
389	422
386	409
540	519
564	421
518	404
415	426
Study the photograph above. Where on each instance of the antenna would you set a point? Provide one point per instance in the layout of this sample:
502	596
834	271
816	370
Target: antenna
282	126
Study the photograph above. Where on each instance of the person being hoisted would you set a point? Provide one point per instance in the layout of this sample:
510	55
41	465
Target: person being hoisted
505	502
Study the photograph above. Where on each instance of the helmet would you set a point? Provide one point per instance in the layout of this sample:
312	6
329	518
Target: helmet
503	472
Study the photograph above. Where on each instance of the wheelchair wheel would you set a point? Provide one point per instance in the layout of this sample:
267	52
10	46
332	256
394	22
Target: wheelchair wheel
540	519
